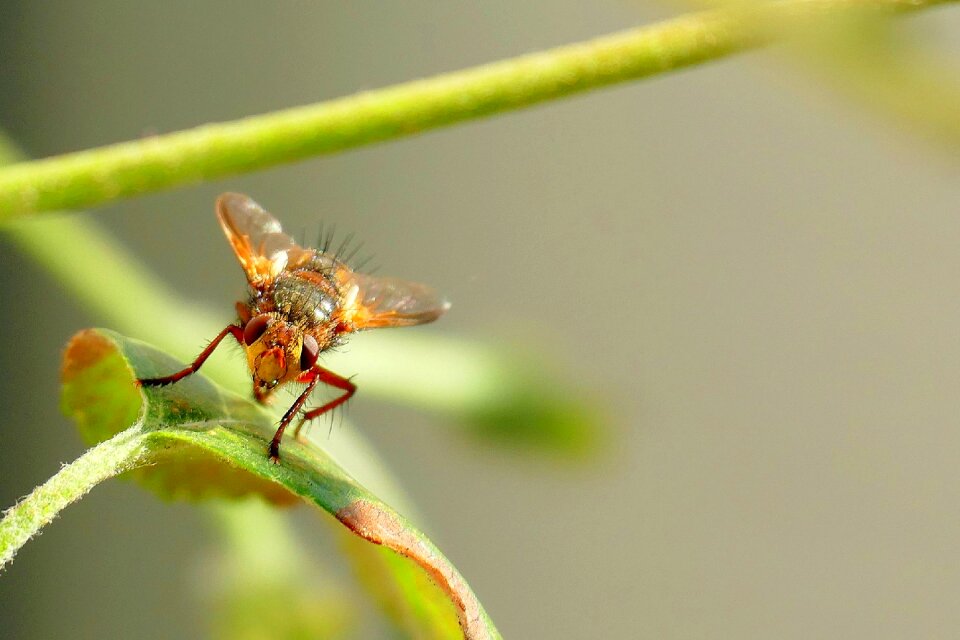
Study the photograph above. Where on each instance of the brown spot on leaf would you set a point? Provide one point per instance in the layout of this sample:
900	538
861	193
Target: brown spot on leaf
382	526
85	349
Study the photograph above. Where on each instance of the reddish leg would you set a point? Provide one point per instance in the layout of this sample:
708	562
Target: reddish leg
235	331
312	377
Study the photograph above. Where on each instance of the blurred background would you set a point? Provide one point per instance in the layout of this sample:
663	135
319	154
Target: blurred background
756	271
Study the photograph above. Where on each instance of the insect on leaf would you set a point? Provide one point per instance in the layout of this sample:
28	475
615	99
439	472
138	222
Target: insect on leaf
206	441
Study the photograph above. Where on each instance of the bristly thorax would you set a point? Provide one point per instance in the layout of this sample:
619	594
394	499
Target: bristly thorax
306	295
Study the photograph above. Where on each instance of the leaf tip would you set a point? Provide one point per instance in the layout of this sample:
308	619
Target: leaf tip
96	386
383	526
85	349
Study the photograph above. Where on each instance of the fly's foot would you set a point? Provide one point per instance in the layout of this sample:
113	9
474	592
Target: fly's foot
274	453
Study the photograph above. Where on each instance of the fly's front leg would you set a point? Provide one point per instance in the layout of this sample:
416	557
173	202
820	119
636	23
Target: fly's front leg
334	380
274	451
235	331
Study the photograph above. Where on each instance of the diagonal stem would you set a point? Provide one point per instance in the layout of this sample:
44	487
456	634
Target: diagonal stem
112	457
99	175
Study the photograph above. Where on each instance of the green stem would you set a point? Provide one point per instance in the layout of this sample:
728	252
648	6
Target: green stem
106	460
99	175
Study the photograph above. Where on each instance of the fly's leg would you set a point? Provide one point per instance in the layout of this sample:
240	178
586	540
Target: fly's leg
334	380
235	331
274	452
319	374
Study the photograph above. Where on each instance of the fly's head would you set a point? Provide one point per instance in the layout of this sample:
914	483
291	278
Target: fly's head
278	352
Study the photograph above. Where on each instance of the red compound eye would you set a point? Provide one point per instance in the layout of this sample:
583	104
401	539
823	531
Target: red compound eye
309	352
256	327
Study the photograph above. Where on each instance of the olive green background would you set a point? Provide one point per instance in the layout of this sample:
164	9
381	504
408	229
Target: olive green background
760	275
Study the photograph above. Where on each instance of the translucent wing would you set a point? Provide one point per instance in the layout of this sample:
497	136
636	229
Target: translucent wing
258	241
372	302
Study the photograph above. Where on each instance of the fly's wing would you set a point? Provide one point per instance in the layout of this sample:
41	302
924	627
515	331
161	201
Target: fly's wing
371	302
258	241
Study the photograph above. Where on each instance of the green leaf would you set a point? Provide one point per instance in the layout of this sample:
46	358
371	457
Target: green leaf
202	441
98	392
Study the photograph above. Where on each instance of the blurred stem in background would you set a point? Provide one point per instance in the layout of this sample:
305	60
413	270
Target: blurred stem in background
882	69
99	175
509	396
873	60
267	590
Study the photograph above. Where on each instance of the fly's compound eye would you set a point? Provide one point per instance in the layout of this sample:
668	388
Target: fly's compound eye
309	352
256	327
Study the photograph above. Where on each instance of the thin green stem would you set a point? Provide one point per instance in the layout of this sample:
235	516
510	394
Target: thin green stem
106	460
99	175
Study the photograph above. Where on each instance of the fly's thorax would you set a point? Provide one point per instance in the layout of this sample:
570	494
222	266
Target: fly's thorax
306	297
